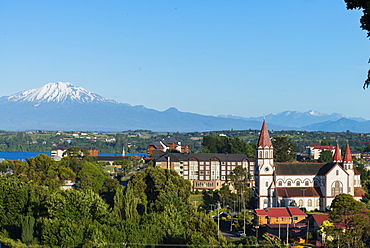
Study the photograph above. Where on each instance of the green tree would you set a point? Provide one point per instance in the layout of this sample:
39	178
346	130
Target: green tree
27	229
326	156
346	210
364	5
76	152
325	142
284	150
91	177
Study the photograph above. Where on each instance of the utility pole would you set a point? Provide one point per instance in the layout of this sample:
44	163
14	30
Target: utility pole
218	215
287	233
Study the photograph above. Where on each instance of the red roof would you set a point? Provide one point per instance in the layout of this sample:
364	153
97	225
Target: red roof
264	139
320	218
337	156
359	192
295	211
324	147
347	155
280	212
287	192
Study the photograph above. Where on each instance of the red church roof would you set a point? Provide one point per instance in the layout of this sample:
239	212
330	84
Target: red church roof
337	156
264	139
347	155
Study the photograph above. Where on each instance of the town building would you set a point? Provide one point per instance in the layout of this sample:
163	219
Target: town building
305	185
58	152
205	170
314	150
287	215
166	144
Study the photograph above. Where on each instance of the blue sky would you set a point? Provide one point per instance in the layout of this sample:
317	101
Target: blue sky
245	58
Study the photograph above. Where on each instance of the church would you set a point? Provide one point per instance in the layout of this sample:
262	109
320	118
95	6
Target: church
312	186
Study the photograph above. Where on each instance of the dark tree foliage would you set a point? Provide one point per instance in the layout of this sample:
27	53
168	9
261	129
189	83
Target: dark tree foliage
326	156
284	149
223	144
363	5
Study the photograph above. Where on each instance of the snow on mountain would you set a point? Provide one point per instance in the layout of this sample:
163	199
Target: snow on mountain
58	92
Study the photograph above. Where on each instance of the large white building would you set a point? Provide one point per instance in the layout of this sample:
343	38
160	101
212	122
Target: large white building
307	185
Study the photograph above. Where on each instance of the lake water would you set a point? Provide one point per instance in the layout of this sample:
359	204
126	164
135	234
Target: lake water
23	155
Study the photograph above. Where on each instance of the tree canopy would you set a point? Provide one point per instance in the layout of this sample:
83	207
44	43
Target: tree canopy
284	149
363	5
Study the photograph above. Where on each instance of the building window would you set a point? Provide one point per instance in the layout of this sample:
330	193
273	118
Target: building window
280	183
298	183
309	203
336	188
300	203
337	172
306	183
289	183
267	184
317	203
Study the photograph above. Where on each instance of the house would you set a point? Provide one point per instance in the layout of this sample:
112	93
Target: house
204	170
57	152
286	215
314	150
278	222
169	143
306	185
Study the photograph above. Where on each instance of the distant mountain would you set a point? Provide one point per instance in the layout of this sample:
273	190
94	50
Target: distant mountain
297	120
58	93
62	106
341	125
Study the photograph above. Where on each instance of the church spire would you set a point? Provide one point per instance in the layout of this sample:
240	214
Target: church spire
347	155
264	139
337	156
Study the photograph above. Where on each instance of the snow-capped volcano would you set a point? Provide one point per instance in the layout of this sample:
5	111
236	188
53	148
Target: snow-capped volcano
57	92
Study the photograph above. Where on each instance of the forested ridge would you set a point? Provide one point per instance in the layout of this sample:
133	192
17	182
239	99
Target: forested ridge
137	141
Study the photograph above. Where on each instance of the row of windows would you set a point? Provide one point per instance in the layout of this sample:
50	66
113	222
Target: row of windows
204	184
298	183
209	162
286	202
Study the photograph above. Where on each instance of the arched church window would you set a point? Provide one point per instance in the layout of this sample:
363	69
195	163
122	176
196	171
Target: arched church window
337	172
267	184
298	183
260	154
317	203
289	183
300	203
306	183
280	183
266	154
309	203
336	188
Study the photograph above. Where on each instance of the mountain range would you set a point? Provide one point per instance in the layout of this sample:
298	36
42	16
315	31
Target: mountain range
63	106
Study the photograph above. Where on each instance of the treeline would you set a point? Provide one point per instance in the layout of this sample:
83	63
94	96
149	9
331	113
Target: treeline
137	141
224	144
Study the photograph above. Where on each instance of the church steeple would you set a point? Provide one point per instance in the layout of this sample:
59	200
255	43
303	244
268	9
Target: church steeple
347	161
337	156
264	139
